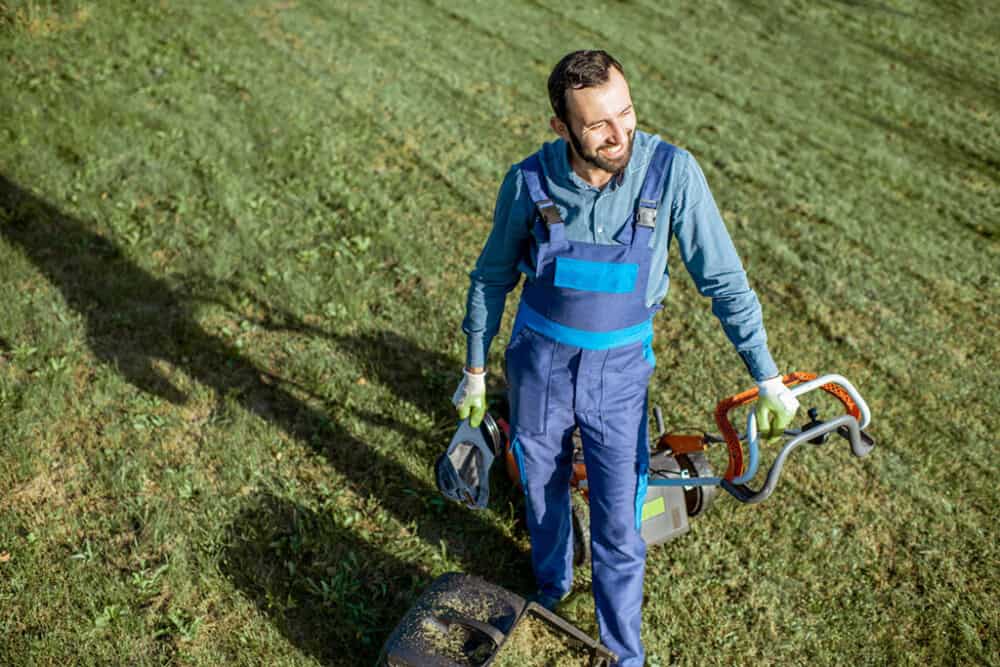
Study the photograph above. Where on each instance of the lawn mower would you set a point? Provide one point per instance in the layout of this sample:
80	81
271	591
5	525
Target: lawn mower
463	621
681	482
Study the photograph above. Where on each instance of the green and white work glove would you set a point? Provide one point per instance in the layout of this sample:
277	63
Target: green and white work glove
776	407
470	397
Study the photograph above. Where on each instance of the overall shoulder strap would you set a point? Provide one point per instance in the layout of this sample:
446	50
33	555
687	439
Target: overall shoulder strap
652	186
531	169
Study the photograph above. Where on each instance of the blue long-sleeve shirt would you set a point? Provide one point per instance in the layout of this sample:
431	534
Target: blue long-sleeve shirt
687	213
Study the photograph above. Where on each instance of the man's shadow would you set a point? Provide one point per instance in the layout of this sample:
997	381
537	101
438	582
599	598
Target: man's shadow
133	319
331	593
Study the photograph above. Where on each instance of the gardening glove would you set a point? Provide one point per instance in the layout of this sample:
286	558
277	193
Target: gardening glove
775	408
470	397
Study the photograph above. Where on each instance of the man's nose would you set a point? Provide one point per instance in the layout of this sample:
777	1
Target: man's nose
618	134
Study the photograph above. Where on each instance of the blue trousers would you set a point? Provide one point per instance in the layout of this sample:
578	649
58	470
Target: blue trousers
554	388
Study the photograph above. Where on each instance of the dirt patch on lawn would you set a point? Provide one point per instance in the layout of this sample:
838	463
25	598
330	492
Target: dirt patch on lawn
48	488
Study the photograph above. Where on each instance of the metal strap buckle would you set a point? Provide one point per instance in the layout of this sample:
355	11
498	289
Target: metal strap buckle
647	217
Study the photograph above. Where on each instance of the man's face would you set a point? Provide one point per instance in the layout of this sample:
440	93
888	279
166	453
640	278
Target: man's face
601	123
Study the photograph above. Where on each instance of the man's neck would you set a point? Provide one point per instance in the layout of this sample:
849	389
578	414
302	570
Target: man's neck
590	173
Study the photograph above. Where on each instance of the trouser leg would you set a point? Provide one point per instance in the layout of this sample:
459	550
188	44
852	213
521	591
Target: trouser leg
614	430
541	388
545	473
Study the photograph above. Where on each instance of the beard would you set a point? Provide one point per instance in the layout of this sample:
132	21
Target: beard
612	166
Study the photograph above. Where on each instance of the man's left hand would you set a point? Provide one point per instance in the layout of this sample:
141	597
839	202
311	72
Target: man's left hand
470	397
776	407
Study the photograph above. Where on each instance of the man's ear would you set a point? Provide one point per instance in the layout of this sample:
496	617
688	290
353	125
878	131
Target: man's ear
559	127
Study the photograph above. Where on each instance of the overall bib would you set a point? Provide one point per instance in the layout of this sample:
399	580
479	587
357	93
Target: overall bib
581	355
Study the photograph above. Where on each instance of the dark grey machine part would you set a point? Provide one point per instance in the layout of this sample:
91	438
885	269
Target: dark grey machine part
449	597
447	602
679	503
672	521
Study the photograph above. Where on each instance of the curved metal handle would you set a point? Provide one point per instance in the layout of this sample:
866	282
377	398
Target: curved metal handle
840	381
836	385
829	383
861	445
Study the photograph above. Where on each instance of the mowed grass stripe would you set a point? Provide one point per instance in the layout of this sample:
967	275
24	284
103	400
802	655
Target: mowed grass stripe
332	148
395	136
417	114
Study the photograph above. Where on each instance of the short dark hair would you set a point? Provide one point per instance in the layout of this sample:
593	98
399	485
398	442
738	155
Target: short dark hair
580	69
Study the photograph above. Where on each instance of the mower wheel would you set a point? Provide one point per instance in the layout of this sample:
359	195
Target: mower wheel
581	529
697	498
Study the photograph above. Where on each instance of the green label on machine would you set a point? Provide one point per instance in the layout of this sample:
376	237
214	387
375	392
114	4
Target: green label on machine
653	508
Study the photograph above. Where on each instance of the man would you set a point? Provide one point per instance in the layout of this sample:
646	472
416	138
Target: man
588	220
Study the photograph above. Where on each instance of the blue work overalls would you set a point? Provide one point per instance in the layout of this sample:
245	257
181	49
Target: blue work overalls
581	355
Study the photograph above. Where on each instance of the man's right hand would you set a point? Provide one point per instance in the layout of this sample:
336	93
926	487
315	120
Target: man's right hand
470	397
776	409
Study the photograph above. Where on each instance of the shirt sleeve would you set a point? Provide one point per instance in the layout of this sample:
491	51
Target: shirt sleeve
496	271
709	256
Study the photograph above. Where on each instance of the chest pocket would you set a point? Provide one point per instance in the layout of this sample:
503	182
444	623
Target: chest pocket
588	276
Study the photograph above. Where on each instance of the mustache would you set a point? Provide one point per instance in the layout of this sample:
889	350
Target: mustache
628	140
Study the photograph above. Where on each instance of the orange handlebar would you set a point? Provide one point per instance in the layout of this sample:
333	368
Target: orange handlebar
723	408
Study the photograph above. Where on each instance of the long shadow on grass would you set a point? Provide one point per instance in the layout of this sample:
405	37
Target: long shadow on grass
134	319
330	592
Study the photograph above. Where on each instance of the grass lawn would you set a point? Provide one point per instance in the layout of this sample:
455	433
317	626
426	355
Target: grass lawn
234	245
